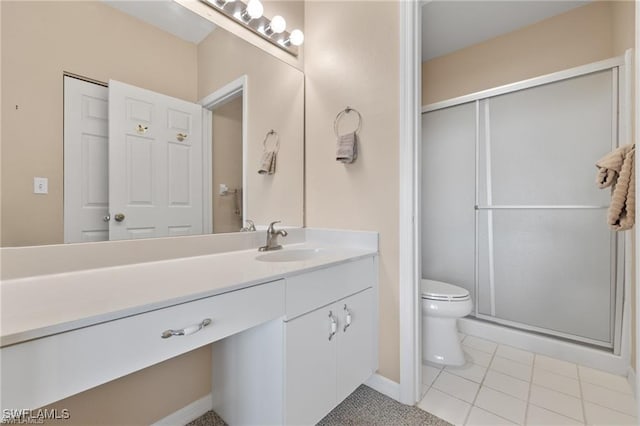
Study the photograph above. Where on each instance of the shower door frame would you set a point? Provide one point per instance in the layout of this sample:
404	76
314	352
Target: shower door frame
621	72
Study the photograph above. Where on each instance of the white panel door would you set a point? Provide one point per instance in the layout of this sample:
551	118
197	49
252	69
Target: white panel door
86	184
155	164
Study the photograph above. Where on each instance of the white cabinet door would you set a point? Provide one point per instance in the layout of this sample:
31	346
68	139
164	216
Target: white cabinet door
355	342
155	164
86	181
310	360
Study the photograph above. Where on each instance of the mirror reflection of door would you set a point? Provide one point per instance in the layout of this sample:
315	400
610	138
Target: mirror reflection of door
226	131
146	178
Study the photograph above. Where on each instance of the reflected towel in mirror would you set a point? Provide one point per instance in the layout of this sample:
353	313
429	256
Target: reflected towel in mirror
268	163
347	148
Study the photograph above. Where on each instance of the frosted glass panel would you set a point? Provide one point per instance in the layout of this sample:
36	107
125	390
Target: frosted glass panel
544	142
552	269
448	188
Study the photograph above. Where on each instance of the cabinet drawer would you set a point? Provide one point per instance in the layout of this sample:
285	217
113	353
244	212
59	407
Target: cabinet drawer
319	288
46	370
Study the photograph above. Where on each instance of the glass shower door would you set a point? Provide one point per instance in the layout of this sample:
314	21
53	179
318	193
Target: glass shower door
545	258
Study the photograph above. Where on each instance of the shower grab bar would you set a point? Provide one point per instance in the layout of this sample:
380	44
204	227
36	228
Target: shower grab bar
541	207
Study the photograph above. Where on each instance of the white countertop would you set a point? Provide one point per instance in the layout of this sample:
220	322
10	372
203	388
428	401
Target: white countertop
43	305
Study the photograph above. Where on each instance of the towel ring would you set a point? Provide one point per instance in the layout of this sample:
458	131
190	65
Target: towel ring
269	133
347	110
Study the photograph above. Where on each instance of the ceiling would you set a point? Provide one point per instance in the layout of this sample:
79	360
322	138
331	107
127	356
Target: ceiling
450	25
168	16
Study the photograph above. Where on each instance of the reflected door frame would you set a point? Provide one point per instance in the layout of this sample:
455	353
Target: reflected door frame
228	92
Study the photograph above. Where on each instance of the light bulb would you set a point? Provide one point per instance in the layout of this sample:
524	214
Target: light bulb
278	24
296	38
255	9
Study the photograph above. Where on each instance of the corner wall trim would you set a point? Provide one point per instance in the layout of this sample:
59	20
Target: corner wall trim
631	378
385	386
187	414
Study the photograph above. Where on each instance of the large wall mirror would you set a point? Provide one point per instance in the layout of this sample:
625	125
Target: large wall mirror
141	119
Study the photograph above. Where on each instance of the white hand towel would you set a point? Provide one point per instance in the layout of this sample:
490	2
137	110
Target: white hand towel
268	163
347	148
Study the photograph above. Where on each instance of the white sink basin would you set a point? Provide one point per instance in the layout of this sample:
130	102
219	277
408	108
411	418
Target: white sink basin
290	255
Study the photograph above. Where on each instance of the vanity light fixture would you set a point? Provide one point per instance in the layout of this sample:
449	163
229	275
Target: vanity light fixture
222	3
277	25
250	15
253	10
296	38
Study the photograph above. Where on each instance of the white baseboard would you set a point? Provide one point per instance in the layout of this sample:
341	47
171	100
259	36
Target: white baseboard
188	413
384	386
631	378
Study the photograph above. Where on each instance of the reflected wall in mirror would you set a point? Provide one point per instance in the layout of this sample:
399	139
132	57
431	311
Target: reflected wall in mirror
44	41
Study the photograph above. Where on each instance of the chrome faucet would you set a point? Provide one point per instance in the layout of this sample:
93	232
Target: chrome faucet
272	238
250	226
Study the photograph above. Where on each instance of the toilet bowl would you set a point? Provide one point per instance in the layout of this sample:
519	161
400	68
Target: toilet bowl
442	305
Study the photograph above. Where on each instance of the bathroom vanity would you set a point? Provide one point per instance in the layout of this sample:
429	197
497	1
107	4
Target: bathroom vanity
295	330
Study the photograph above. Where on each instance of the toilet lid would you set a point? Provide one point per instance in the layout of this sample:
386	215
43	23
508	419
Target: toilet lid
437	290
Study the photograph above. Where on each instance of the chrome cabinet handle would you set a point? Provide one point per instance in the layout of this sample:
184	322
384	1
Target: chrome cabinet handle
187	330
119	217
333	325
347	318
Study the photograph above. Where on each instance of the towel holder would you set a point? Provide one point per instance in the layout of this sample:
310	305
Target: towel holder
347	110
270	133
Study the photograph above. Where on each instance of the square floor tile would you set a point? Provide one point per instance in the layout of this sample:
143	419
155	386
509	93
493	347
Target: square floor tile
610	399
601	416
511	368
604	379
557	402
557	366
473	372
480	344
515	354
477	356
445	406
429	374
480	417
537	416
501	404
507	384
556	382
457	386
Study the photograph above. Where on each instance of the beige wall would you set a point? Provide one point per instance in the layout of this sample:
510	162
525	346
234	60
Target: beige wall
577	37
40	41
275	100
227	169
355	63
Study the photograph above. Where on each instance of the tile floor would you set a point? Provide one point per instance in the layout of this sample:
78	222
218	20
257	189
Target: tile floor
502	385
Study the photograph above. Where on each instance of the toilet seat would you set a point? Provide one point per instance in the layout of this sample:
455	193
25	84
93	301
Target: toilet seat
437	290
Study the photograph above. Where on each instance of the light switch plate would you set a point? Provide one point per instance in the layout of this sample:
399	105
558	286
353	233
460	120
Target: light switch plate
40	185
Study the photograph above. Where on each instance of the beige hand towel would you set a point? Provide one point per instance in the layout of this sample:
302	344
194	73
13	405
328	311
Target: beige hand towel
610	165
347	148
268	163
617	168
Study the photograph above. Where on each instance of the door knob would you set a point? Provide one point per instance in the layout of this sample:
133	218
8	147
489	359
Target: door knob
107	218
119	217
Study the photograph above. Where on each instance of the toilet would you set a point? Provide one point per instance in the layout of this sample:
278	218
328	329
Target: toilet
442	305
